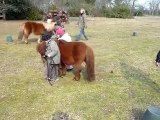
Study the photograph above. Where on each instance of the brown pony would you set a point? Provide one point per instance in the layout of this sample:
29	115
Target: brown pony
34	27
73	53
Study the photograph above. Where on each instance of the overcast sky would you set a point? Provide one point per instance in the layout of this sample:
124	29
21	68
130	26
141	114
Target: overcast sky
142	2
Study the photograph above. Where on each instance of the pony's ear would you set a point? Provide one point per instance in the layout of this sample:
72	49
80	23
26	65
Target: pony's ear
54	23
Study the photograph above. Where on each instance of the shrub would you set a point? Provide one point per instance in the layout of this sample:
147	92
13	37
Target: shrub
21	6
25	10
138	13
73	12
121	11
34	13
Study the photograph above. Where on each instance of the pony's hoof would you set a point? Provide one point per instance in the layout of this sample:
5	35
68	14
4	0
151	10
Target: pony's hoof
64	74
75	79
61	76
26	42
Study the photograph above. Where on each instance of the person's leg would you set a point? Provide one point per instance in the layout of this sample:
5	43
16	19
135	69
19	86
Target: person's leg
50	72
45	71
54	72
79	35
83	32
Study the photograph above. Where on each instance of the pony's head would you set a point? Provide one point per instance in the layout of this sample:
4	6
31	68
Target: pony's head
158	59
41	48
49	25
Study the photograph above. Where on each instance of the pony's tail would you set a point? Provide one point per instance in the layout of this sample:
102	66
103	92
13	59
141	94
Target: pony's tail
90	64
21	32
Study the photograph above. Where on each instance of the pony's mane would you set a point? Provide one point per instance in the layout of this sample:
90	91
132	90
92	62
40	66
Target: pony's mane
33	22
63	41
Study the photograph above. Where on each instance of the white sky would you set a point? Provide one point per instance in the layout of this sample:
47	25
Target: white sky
142	2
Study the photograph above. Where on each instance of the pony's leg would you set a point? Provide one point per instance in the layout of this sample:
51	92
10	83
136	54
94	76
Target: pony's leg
77	71
26	35
26	39
63	69
60	71
39	40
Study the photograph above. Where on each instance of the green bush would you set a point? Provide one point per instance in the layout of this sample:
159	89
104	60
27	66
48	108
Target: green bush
21	6
73	12
25	10
121	11
138	13
34	14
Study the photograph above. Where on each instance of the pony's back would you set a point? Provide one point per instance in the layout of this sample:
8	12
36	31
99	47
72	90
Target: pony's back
30	27
36	28
72	51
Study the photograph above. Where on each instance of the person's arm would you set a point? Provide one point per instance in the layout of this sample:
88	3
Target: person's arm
85	20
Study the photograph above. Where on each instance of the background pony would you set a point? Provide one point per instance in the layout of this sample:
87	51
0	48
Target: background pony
73	53
33	27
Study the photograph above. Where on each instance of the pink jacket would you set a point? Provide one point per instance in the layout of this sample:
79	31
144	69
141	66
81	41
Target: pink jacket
60	31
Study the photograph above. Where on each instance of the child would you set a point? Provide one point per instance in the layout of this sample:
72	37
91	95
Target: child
52	62
59	31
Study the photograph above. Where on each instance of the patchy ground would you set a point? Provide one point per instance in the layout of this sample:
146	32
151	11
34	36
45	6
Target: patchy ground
127	79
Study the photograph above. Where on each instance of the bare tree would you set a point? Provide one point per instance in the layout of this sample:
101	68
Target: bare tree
154	6
133	6
4	7
103	3
43	5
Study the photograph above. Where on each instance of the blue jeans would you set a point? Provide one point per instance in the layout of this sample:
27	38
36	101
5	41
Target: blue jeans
80	34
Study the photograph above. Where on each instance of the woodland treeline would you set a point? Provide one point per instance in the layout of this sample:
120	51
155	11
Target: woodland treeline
35	9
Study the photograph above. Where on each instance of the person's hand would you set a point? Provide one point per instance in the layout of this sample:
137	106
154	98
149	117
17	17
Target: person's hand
48	56
44	56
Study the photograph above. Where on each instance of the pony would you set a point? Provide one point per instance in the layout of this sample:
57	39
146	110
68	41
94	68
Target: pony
34	27
73	53
158	59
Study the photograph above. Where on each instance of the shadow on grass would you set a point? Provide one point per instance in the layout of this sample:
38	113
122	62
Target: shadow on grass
23	42
137	74
83	73
137	114
32	40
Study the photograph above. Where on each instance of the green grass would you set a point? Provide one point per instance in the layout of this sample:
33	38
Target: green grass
124	94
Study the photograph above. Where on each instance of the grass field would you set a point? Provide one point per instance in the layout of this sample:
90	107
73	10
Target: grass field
124	94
